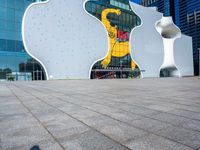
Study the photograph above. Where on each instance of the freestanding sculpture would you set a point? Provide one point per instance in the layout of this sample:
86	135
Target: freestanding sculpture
158	46
146	43
169	32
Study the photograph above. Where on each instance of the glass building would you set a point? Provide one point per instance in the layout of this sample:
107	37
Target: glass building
188	19
119	20
164	6
186	15
15	63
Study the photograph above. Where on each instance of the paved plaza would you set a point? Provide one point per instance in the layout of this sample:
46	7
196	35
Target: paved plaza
141	114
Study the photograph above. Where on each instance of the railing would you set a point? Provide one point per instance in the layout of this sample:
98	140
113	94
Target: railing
115	73
21	76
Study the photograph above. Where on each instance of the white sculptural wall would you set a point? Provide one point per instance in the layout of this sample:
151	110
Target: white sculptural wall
67	41
169	33
146	43
64	38
153	51
183	55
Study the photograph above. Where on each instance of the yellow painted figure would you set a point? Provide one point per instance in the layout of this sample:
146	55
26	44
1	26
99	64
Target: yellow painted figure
117	49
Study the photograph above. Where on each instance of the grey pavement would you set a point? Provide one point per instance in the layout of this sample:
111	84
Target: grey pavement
140	114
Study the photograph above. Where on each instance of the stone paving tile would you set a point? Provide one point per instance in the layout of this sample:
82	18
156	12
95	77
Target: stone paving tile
84	113
107	110
24	136
64	127
124	116
126	107
187	114
181	135
192	124
121	132
186	102
43	145
160	107
99	121
90	140
136	110
174	105
171	119
189	95
11	123
150	125
153	142
69	108
12	109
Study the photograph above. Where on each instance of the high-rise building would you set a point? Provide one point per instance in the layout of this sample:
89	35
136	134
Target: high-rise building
188	19
186	15
164	6
15	63
135	1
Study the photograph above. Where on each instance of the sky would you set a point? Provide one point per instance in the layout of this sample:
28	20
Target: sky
136	1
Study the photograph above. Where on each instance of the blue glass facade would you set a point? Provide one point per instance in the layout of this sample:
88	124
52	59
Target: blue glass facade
136	1
164	6
186	15
188	19
15	63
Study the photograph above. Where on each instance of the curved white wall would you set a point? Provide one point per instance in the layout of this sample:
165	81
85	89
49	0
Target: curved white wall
183	55
146	43
64	38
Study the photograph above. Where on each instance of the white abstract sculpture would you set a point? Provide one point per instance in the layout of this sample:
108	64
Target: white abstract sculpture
169	32
68	41
146	42
64	38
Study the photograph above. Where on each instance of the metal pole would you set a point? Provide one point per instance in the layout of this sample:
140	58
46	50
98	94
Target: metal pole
33	70
121	67
25	71
37	75
199	61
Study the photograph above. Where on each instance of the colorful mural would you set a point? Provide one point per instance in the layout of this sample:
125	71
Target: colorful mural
119	40
119	20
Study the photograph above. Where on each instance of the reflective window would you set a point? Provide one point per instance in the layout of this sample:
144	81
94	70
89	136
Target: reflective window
15	63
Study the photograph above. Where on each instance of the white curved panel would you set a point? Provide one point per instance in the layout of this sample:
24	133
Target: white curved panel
183	55
64	38
146	43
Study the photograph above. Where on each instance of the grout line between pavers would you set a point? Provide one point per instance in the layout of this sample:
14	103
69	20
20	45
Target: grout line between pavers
133	112
134	105
128	123
77	120
115	119
36	118
161	105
